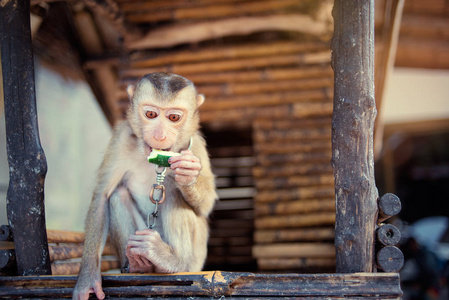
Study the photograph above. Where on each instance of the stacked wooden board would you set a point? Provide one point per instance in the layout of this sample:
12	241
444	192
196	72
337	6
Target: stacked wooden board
294	204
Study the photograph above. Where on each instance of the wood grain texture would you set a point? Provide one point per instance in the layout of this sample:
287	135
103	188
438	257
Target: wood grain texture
215	284
352	135
26	158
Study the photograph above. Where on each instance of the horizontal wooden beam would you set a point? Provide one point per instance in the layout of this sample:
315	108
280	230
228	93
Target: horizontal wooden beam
142	15
177	34
148	59
216	284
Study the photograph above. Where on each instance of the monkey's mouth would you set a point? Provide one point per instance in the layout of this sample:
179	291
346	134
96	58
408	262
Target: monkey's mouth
148	149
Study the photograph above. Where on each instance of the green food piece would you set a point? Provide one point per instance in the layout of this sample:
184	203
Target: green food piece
160	158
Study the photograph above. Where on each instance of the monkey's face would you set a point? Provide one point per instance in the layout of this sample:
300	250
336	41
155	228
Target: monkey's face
167	124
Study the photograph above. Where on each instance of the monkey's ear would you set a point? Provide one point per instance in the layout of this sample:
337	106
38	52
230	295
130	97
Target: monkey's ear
130	90
200	99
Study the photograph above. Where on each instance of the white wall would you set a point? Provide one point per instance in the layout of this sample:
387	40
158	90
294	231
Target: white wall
74	135
416	95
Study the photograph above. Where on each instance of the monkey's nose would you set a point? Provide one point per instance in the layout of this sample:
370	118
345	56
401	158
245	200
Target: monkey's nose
159	138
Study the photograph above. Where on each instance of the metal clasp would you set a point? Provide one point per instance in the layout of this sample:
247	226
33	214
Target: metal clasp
157	193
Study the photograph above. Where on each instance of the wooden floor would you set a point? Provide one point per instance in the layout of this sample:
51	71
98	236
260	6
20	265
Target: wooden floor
214	284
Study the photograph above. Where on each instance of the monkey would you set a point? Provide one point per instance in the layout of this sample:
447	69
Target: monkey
163	115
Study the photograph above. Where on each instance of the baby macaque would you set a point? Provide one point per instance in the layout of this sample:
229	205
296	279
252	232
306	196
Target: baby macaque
163	115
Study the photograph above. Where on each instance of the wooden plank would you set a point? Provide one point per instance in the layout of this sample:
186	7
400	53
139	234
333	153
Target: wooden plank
295	147
73	268
296	221
26	158
222	65
64	236
248	50
242	114
216	284
352	135
271	264
301	157
291	170
292	134
422	53
111	11
283	124
294	181
273	73
171	35
211	11
258	87
296	250
258	100
295	207
68	251
268	236
128	6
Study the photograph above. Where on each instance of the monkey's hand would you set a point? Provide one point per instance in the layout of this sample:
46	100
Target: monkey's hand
186	167
142	251
86	284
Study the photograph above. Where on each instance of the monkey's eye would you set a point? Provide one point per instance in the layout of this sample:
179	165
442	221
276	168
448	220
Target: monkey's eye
174	117
150	114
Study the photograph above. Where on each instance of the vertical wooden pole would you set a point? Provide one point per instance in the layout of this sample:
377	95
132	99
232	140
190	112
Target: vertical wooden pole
352	134
26	159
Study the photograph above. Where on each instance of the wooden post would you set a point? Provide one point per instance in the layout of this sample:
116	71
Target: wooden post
27	164
352	135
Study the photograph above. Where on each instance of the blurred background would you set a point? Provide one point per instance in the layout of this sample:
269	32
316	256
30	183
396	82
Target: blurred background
264	67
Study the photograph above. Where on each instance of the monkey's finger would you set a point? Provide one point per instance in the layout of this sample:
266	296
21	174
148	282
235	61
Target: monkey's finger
187	172
186	165
184	156
98	290
144	232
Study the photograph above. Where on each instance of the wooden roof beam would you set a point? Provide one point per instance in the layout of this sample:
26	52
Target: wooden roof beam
110	10
171	35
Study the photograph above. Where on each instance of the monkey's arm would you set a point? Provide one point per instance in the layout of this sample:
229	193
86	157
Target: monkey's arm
195	180
97	224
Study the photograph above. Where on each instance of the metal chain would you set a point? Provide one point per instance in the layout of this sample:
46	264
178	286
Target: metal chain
157	196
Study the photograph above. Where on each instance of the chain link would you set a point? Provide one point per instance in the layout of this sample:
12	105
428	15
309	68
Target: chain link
157	196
